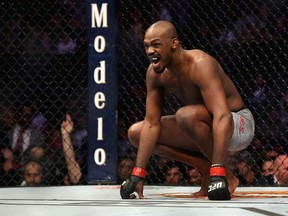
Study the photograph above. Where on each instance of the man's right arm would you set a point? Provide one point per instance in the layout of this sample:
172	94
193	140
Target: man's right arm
152	123
148	139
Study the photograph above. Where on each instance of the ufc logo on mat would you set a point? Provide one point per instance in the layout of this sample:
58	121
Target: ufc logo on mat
215	186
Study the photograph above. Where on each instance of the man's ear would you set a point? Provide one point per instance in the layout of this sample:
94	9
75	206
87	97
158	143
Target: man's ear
175	43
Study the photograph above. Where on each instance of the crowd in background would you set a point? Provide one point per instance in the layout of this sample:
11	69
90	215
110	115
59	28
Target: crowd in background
44	85
242	35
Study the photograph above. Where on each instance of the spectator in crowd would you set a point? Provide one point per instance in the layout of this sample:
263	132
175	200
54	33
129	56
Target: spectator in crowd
194	176
32	174
124	168
53	135
173	174
245	174
232	159
22	135
79	138
79	134
59	167
156	170
267	168
267	173
7	122
257	146
73	167
280	169
255	172
9	176
53	165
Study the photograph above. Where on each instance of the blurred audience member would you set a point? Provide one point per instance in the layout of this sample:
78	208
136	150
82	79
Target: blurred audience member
124	169
22	135
79	138
73	167
156	170
173	174
53	169
194	176
59	167
9	176
280	169
267	168
232	159
7	122
267	173
32	174
245	174
53	136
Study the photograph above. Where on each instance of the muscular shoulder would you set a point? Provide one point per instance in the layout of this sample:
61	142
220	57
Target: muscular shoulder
204	68
200	57
203	62
152	77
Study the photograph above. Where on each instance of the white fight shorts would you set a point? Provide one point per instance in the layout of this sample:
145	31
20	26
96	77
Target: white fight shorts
244	128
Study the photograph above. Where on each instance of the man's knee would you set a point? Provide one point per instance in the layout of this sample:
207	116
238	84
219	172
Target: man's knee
185	117
134	134
188	117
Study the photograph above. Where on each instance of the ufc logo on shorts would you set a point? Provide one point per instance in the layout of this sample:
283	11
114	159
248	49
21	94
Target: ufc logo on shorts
215	186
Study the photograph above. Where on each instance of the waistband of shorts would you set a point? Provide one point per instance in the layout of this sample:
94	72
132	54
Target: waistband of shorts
242	108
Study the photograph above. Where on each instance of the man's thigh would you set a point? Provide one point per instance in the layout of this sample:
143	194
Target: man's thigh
171	135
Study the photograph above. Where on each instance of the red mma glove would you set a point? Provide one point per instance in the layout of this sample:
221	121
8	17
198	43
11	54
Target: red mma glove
218	186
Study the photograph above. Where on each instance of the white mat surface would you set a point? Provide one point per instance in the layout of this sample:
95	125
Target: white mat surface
102	200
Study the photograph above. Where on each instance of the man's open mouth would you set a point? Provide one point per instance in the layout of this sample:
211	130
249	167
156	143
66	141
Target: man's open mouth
154	59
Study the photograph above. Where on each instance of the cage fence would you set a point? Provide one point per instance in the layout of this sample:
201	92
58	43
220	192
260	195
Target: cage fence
44	77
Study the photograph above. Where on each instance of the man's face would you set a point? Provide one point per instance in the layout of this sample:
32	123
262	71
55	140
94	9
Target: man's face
158	50
281	171
33	175
173	176
125	168
194	176
267	168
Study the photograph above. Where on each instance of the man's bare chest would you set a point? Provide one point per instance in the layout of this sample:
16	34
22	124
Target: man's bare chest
183	88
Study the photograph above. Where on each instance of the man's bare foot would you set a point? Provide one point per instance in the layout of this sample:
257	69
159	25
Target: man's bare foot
201	193
204	187
233	184
233	181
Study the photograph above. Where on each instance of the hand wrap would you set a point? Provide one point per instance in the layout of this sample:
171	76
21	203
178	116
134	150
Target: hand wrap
129	185
218	186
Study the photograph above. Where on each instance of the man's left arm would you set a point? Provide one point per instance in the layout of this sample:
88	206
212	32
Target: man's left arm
215	100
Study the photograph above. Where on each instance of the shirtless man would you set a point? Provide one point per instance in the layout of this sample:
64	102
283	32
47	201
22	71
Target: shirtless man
213	120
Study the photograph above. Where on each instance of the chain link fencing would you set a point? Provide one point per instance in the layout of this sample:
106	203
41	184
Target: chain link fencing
44	77
249	39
